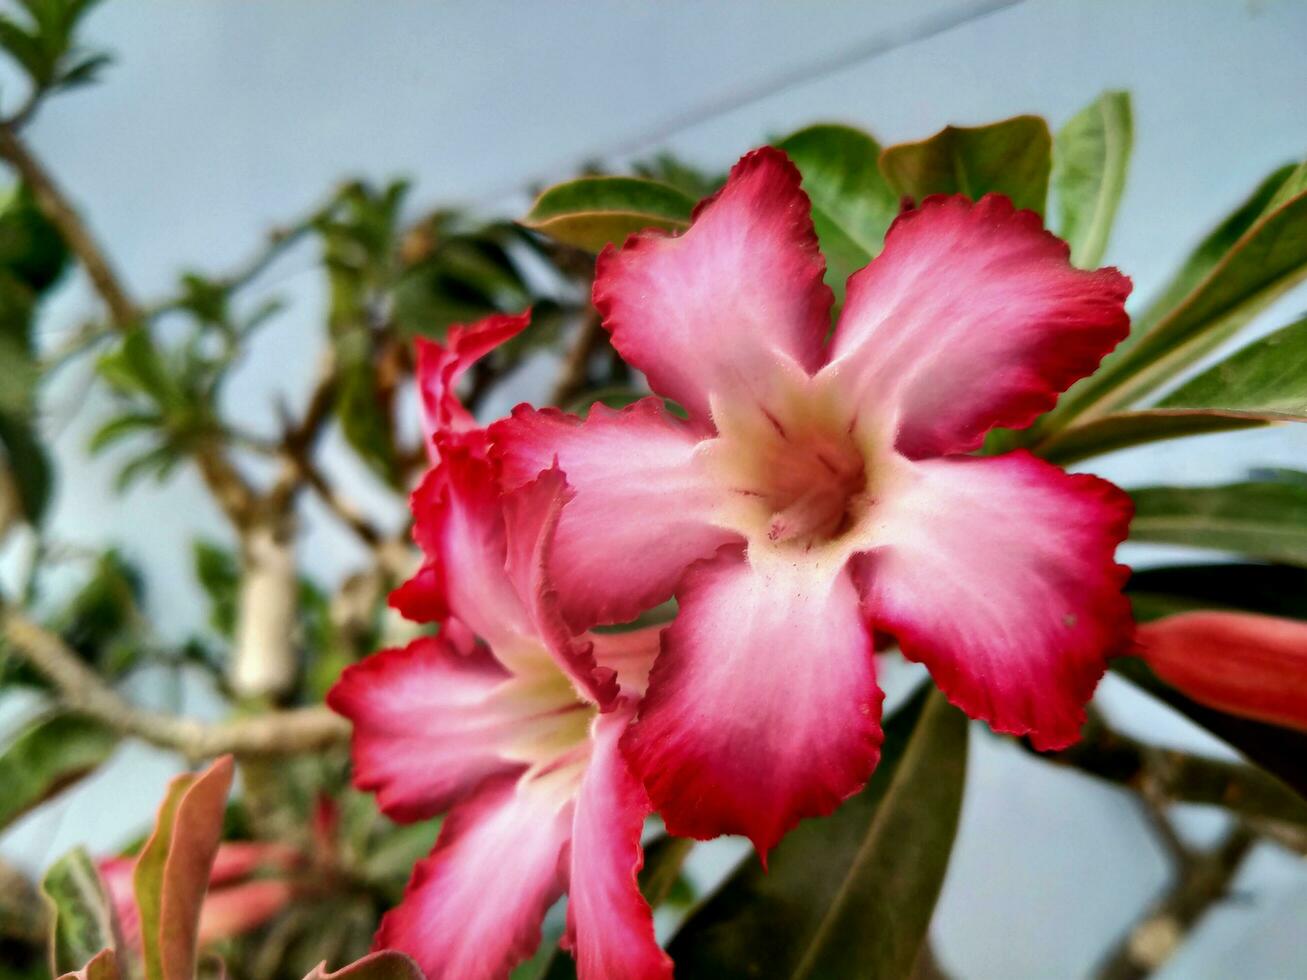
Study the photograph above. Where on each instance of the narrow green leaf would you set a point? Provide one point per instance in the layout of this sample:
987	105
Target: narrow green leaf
1280	751
28	464
1011	157
82	918
387	964
1121	430
48	757
1222	287
850	895
592	212
1091	155
1260	519
218	572
1276	590
852	205
172	871
364	416
1266	379
1273	191
121	427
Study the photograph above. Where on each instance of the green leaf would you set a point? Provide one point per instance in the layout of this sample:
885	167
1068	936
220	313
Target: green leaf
28	464
218	572
172	871
82	915
1091	154
850	895
48	757
1280	751
592	212
1266	380
852	205
1011	157
1273	191
364	415
1275	590
122	427
387	964
1260	519
1267	258
1121	430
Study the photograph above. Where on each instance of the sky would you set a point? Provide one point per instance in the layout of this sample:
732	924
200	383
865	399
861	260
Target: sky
220	119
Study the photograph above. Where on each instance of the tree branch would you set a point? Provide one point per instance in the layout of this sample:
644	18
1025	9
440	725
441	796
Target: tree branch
64	216
1180	777
574	376
81	689
1203	882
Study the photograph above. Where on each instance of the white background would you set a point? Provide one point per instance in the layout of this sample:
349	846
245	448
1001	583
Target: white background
222	118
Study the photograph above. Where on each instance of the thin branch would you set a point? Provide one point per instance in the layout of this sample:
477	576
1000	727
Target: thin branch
1180	777
1204	882
81	689
575	374
57	208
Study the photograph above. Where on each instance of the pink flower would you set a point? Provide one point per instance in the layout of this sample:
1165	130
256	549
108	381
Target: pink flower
822	489
1247	664
516	737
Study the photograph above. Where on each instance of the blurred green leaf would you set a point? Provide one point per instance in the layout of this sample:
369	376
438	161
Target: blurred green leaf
218	572
690	181
1273	191
28	463
1012	157
1276	590
1260	519
1236	280
592	212
123	427
1121	430
852	894
852	205
1265	380
82	915
104	610
172	871
49	756
1091	155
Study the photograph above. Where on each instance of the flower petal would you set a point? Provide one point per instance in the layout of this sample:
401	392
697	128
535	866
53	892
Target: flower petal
630	653
427	725
763	706
711	311
1244	663
439	366
998	574
531	514
459	525
971	317
472	910
643	508
237	909
609	924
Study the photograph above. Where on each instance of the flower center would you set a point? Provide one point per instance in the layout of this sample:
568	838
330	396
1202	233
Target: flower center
798	476
549	725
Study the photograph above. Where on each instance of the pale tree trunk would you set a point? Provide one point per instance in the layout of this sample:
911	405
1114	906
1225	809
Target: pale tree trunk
264	663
